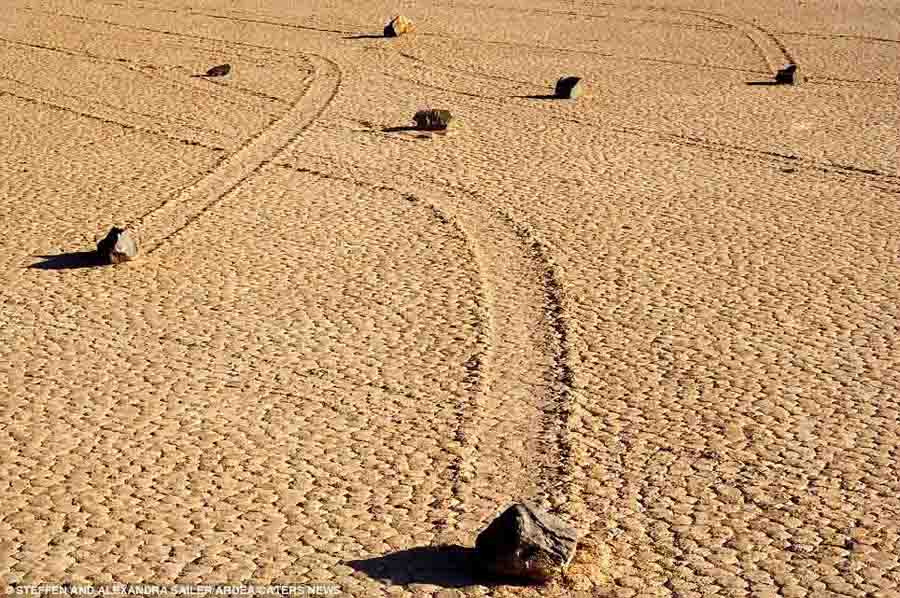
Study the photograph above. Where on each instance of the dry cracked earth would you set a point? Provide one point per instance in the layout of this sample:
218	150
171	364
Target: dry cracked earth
668	311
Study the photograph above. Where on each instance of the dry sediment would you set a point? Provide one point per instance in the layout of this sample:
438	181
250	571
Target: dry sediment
667	311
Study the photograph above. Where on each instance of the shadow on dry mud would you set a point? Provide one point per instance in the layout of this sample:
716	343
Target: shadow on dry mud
545	96
445	566
448	566
406	129
69	261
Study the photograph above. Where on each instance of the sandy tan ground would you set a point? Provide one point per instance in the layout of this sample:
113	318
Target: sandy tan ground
670	310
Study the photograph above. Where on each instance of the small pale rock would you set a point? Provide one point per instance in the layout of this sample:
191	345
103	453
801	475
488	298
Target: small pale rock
569	88
525	542
219	71
433	120
398	26
787	75
119	245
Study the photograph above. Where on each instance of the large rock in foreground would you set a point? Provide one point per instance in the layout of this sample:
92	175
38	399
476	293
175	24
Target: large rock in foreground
398	26
527	543
569	88
119	245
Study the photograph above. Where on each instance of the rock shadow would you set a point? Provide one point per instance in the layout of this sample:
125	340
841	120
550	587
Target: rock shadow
405	129
764	83
444	566
447	566
417	132
367	36
70	261
543	96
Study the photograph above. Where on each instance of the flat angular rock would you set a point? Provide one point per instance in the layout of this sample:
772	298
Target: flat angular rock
787	75
398	26
569	88
433	120
219	71
119	245
525	542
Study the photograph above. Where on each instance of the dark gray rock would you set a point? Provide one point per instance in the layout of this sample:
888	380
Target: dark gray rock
398	26
119	245
219	71
569	88
527	543
432	120
787	75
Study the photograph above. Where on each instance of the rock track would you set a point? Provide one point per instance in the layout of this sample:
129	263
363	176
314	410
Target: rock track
344	346
525	333
159	225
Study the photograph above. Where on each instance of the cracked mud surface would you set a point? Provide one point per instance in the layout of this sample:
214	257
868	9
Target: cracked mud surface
668	311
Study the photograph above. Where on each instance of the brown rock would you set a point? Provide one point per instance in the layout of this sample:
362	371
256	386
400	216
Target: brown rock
527	543
433	120
787	75
219	71
569	88
398	26
119	245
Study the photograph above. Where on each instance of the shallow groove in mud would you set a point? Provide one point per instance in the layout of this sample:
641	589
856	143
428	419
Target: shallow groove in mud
267	22
864	38
771	48
84	19
536	85
715	147
242	19
97	59
555	482
836	81
555	485
584	15
232	171
552	455
478	369
721	147
173	120
157	132
607	308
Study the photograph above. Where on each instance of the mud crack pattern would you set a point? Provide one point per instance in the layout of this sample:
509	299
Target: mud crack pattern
667	311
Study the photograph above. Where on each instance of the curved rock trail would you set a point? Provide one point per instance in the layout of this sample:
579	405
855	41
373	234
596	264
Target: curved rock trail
344	347
158	226
513	440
